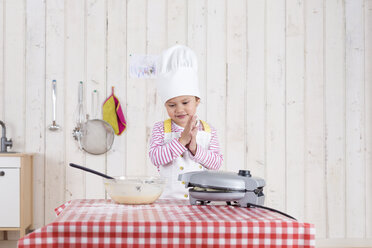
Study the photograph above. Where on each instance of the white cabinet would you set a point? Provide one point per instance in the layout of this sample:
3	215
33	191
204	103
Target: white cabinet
10	197
15	192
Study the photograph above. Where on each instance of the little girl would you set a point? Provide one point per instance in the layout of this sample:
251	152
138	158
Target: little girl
182	143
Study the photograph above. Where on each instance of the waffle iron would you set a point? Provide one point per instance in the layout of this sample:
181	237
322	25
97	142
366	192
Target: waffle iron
239	188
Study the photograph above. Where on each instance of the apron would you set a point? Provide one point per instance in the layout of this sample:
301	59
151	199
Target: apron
175	189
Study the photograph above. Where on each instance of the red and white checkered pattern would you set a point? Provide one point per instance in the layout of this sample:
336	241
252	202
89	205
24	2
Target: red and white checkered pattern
167	223
61	208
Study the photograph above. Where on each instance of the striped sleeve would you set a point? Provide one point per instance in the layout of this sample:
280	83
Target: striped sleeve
160	153
210	158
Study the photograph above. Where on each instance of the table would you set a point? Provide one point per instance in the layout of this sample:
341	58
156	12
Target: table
167	223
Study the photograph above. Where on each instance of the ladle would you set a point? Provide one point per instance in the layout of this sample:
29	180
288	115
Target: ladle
54	126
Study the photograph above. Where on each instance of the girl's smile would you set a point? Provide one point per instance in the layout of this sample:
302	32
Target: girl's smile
180	108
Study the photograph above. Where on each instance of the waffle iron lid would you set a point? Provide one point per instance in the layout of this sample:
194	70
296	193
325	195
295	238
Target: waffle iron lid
215	179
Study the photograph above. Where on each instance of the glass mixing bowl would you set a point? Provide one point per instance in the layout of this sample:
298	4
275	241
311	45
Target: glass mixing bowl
134	190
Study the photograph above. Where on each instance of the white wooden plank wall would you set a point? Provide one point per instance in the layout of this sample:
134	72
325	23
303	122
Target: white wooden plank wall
216	70
55	167
197	40
236	54
287	84
156	41
368	113
75	71
2	45
315	198
355	115
116	77
255	91
334	90
136	91
36	104
295	114
95	45
275	153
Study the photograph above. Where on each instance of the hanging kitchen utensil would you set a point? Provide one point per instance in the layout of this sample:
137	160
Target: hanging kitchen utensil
97	137
94	107
79	115
54	126
94	136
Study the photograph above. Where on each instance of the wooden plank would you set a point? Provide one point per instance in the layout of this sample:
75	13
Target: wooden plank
74	72
8	243
136	96
14	113
27	195
368	114
235	85
295	121
96	80
355	120
197	41
14	72
24	184
343	243
255	108
177	22
275	104
334	87
116	77
315	198
2	101
156	43
216	69
55	162
35	100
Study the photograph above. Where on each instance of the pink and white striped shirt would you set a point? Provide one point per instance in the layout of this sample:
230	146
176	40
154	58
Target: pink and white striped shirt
162	154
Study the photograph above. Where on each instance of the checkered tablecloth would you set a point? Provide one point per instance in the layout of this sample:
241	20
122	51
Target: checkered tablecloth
102	223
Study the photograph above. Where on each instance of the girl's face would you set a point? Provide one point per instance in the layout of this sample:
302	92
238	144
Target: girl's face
181	108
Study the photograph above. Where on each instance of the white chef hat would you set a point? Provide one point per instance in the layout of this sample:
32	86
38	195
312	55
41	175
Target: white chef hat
178	73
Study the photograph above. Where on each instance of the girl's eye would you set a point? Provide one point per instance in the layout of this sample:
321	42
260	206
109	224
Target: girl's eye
185	103
171	105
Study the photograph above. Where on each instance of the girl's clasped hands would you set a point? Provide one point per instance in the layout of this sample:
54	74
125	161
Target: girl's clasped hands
188	135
